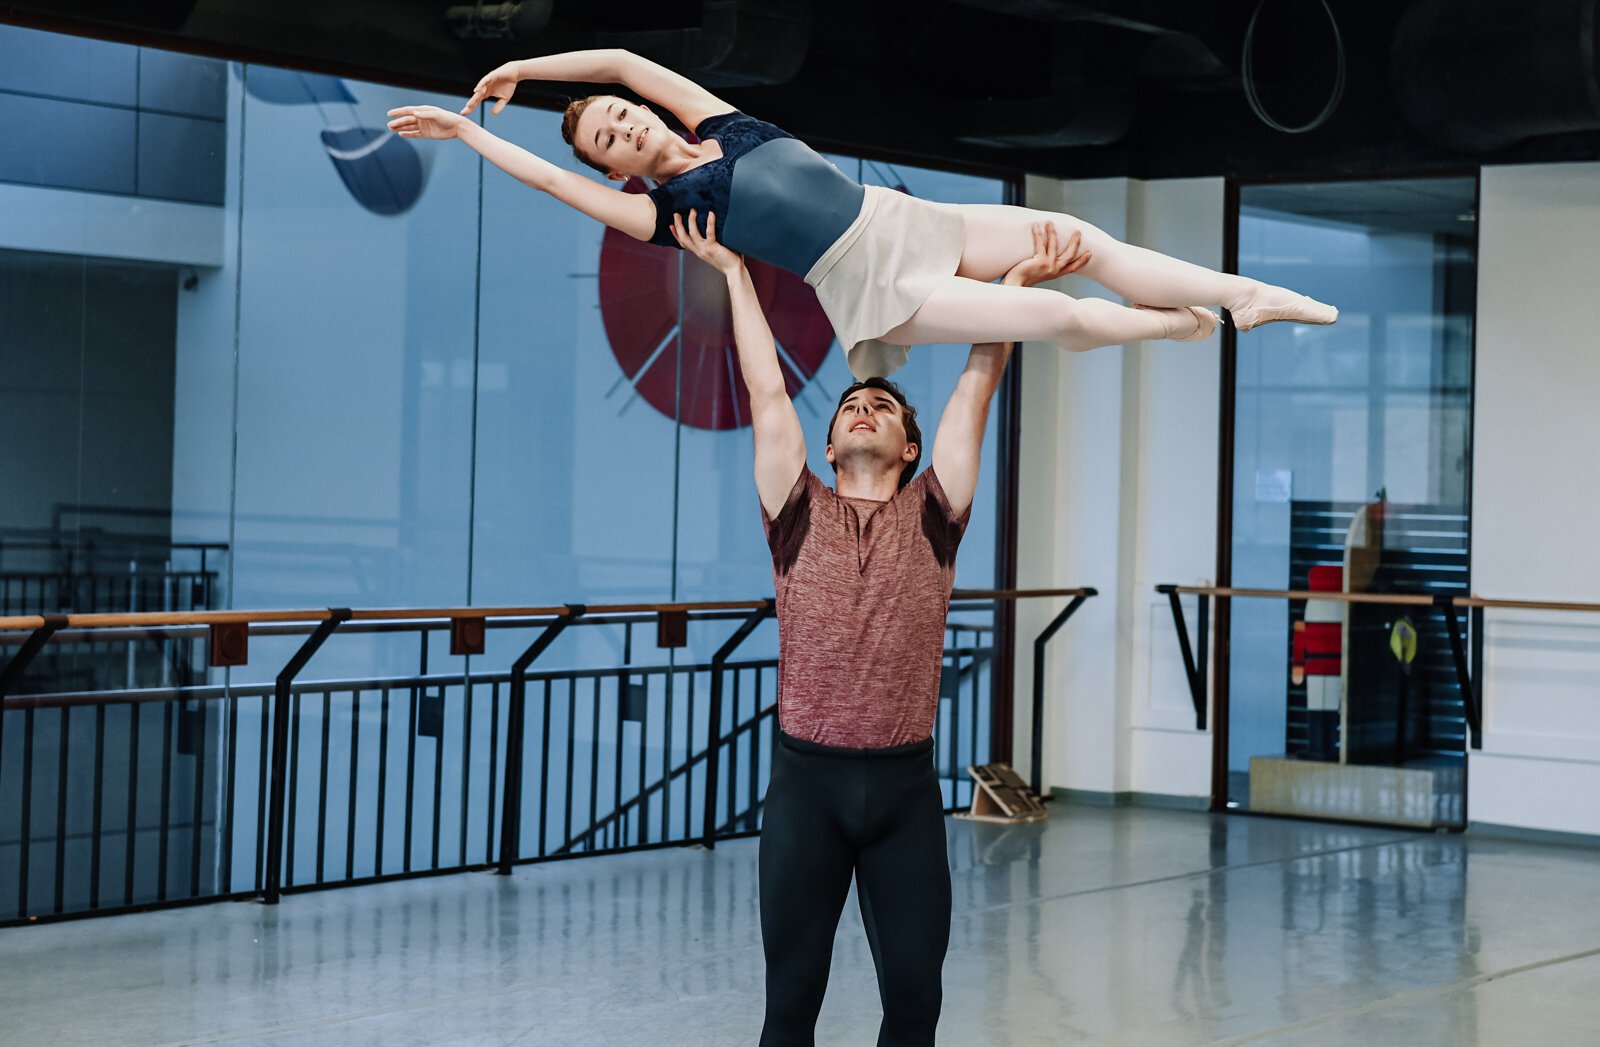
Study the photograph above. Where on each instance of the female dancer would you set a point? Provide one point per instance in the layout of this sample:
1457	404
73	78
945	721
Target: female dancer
890	270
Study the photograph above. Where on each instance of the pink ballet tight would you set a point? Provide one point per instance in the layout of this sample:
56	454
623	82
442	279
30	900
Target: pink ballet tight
967	308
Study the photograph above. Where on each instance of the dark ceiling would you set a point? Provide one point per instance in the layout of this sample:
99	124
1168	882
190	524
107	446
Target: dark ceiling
1147	88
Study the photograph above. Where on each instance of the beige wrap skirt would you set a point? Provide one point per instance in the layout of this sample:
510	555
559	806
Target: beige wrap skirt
880	271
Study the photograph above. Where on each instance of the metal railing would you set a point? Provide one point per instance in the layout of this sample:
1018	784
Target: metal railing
92	571
147	797
1466	647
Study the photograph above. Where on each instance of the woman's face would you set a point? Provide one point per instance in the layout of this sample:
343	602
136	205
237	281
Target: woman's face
624	137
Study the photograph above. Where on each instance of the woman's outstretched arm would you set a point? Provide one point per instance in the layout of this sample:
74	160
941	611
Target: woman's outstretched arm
684	98
631	213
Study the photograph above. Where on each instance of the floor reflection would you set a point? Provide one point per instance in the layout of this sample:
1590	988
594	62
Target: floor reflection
1101	926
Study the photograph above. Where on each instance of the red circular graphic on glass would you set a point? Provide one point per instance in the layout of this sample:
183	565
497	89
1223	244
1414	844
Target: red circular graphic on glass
639	305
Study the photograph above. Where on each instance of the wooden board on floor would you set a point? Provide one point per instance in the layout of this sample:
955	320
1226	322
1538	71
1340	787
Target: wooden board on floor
1000	795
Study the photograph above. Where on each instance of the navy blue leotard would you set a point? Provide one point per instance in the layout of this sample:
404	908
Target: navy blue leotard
775	198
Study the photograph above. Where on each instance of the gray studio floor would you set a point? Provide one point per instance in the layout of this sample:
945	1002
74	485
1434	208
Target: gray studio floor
1106	926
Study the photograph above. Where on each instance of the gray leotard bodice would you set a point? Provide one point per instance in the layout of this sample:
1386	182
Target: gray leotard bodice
775	198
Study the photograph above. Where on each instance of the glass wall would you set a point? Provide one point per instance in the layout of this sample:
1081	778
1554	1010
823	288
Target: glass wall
259	353
244	323
1352	466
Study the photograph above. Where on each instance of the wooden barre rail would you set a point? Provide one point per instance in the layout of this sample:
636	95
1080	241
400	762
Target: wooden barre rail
1404	599
1526	605
1019	594
157	619
164	618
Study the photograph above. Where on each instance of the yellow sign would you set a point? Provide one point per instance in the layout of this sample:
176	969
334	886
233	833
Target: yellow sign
1403	641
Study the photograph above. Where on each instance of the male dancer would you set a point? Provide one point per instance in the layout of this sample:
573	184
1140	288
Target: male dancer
863	578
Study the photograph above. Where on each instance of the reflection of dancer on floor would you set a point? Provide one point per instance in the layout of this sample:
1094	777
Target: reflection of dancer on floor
889	270
863	577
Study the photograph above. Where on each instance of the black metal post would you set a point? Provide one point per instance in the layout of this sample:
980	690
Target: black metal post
1476	640
1194	670
1036	778
30	649
1402	712
511	801
714	733
1458	652
273	887
1202	654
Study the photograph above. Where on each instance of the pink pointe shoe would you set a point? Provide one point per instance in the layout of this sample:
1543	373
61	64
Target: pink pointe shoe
1188	323
1268	304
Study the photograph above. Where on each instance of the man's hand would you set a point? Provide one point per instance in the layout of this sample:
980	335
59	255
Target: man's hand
499	84
1047	262
425	121
959	442
706	248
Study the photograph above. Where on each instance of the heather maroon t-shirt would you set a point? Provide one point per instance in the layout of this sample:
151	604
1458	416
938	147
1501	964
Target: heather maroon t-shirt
863	591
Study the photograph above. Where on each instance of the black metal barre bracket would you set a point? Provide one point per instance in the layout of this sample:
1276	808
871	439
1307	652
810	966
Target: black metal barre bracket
12	673
1194	662
713	746
1196	658
272	880
511	805
1039	643
1471	692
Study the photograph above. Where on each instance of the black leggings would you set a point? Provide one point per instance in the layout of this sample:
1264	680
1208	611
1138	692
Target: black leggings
876	813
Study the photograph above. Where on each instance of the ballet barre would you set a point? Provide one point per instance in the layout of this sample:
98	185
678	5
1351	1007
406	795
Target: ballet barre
1471	684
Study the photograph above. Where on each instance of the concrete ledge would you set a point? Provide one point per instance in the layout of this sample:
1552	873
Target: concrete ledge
1095	798
1519	834
65	221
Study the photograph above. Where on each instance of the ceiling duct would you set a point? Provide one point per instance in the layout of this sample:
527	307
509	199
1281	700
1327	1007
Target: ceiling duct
1085	102
508	21
1186	41
162	15
1092	98
1479	75
738	43
1089	114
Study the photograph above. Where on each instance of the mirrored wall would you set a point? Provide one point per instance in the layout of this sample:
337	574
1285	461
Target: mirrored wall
1352	471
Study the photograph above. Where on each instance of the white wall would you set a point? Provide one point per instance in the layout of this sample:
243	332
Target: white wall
1118	491
1536	496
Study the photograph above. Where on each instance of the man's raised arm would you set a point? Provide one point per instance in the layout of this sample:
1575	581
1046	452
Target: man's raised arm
780	445
959	442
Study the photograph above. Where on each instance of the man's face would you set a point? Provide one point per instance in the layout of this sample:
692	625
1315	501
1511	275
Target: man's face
870	429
